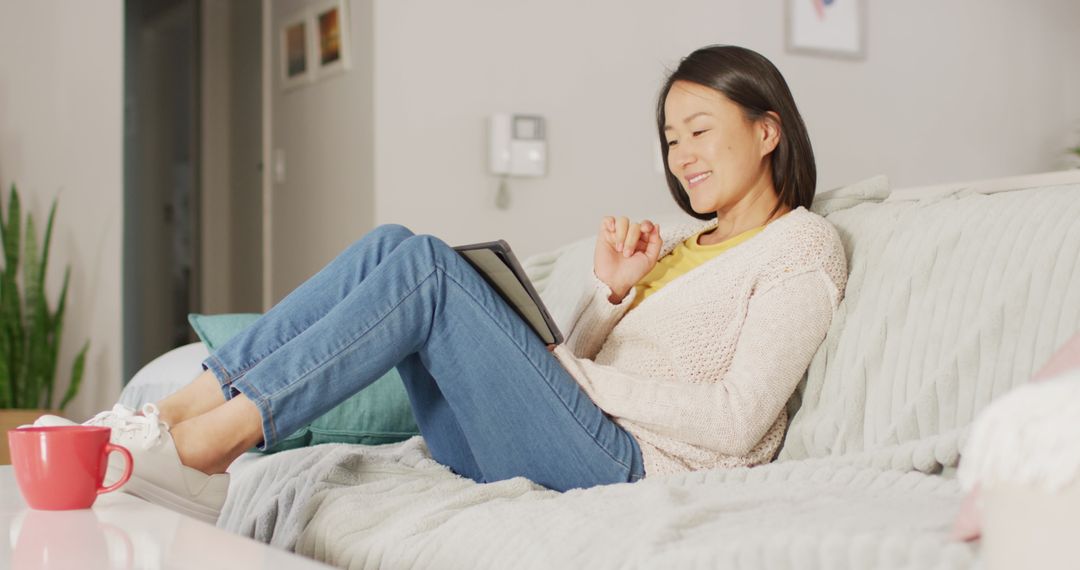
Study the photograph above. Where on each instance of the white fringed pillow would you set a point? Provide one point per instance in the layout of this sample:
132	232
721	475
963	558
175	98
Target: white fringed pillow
164	375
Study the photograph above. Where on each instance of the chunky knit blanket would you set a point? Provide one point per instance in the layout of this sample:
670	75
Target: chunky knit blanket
393	507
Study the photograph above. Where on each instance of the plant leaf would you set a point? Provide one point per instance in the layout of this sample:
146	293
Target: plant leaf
12	231
45	246
29	373
3	224
76	376
57	325
7	398
10	305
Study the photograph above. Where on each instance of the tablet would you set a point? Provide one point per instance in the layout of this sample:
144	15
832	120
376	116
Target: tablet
496	262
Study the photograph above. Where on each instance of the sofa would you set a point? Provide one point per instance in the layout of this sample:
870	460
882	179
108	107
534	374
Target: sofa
957	294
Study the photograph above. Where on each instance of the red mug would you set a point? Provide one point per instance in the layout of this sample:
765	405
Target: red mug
63	467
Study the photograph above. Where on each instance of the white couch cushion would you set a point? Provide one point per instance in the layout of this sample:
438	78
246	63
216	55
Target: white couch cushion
873	189
952	300
164	375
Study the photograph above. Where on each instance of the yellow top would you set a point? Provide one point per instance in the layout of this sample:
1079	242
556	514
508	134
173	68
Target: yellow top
686	256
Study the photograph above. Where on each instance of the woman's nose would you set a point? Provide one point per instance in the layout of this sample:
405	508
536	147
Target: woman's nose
681	158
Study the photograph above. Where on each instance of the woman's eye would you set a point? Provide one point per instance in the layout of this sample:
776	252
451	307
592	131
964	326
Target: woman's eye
696	133
671	143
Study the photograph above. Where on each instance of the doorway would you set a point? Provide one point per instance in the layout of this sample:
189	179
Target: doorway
192	168
161	174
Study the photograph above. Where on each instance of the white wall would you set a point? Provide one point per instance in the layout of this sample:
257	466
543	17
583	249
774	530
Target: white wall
216	169
61	101
231	137
1072	80
949	91
324	131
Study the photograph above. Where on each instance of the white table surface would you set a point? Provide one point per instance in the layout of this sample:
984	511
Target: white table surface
122	531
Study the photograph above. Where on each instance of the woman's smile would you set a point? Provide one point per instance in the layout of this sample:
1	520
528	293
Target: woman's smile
695	179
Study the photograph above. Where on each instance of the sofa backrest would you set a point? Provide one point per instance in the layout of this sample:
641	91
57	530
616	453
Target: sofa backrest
956	294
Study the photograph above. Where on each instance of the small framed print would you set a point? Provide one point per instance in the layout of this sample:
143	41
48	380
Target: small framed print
332	29
831	28
295	52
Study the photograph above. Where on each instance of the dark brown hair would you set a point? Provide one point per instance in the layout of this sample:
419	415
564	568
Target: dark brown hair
752	82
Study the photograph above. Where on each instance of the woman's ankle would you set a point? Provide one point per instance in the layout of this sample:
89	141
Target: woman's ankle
168	414
191	450
201	396
210	442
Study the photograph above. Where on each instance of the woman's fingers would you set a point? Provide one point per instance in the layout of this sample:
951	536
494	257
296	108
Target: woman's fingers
626	237
633	233
607	224
652	250
621	225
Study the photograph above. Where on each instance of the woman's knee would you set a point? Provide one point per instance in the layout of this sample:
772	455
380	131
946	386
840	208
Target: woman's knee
432	249
392	232
386	236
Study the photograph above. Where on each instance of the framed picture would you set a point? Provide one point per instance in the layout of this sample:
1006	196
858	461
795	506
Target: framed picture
296	51
832	28
332	25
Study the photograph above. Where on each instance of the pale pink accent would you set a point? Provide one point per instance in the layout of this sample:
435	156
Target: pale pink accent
1066	358
966	526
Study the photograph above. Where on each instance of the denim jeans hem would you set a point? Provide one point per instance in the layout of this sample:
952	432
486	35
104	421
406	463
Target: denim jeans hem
225	380
230	387
269	428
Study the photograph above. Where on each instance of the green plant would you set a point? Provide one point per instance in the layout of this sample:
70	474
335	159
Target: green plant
29	331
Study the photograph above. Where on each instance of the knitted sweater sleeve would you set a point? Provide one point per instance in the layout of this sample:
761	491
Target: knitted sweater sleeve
596	319
782	329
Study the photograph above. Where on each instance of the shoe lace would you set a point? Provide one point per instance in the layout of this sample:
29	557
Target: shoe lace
117	415
149	423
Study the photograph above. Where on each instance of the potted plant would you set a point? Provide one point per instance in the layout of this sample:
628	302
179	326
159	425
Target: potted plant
29	330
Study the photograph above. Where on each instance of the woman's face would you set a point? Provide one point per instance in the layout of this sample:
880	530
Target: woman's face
719	156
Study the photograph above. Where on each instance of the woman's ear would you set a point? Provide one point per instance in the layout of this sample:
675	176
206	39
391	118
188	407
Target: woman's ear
770	131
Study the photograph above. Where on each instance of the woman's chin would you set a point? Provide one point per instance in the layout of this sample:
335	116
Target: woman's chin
701	208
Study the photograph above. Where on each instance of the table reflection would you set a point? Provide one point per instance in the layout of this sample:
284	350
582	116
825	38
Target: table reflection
68	539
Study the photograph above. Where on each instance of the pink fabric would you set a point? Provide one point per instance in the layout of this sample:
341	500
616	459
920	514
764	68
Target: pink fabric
966	525
1066	358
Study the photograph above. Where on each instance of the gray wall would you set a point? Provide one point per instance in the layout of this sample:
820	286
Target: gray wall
949	91
325	133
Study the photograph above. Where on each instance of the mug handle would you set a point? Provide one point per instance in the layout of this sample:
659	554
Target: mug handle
129	550
109	448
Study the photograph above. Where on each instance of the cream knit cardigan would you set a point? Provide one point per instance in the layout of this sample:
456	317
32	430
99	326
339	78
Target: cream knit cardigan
700	372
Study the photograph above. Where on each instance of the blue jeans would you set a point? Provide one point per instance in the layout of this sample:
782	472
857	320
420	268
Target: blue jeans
490	400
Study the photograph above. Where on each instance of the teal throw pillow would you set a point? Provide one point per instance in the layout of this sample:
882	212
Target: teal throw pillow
378	414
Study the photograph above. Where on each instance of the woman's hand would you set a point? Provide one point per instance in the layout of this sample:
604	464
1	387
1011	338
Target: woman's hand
625	252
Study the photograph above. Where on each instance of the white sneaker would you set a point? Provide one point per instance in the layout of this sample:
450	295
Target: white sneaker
111	418
159	476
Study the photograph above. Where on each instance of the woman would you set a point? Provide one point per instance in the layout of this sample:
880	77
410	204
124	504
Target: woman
683	358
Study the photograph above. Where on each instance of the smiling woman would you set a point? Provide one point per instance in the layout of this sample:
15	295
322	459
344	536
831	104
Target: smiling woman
685	351
734	142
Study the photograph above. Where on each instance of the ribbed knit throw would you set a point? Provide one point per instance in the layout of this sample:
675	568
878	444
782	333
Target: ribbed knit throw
700	371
